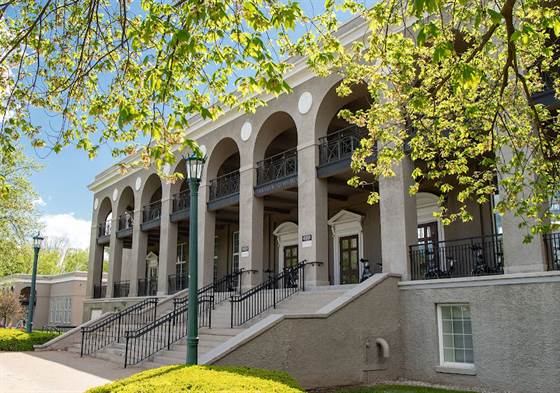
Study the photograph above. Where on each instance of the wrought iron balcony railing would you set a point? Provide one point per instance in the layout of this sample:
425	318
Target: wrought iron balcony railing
121	288
341	144
104	228
99	291
147	286
277	167
475	256
552	243
224	185
151	212
126	221
181	201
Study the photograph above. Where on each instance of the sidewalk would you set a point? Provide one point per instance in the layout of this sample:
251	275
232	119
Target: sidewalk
55	372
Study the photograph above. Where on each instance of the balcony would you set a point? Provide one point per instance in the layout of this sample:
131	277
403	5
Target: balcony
475	256
176	283
126	223
224	191
181	205
147	286
121	289
336	149
151	215
552	244
104	232
277	173
99	291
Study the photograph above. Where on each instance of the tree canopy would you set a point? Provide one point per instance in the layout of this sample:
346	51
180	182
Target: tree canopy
453	84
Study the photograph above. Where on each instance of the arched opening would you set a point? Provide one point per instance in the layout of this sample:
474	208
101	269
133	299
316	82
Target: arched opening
122	257
148	268
354	235
277	184
223	204
101	254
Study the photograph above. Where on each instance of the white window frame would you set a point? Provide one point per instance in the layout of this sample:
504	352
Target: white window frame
442	362
343	224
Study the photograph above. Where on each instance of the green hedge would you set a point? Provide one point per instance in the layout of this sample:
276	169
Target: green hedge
17	340
207	379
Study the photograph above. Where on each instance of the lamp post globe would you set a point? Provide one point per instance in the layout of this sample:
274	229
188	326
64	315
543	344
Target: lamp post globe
37	242
194	166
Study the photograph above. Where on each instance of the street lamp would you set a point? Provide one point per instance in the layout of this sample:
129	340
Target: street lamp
195	164
37	240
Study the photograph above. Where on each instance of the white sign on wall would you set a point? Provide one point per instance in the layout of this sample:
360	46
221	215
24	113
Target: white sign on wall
245	251
306	241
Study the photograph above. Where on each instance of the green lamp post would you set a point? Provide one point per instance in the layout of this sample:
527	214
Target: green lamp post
37	240
195	164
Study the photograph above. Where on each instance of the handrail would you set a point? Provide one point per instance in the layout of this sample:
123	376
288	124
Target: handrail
126	221
151	211
104	228
146	340
340	144
181	200
552	246
108	330
277	167
258	299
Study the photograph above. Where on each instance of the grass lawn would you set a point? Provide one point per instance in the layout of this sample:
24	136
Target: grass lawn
397	389
15	340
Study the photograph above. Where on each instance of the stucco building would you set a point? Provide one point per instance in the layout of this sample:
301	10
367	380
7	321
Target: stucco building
468	304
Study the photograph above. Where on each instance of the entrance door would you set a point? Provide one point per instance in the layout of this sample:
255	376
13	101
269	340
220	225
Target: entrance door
290	256
349	267
428	233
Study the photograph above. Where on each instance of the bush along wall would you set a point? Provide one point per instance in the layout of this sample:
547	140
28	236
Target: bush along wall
18	340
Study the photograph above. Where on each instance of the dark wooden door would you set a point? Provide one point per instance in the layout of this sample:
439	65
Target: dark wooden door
349	266
428	233
290	255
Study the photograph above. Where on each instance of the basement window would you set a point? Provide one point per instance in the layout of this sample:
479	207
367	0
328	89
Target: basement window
455	336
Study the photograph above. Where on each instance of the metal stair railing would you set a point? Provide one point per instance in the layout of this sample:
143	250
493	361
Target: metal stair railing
172	326
111	329
258	299
165	330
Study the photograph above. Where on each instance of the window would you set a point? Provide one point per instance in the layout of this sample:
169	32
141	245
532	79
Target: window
455	335
181	265
60	309
235	251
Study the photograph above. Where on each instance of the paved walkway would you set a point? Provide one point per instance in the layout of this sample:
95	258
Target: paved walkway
55	372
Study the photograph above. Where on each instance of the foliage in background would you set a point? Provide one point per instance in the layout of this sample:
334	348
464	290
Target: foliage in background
452	85
134	73
207	379
10	306
396	389
14	340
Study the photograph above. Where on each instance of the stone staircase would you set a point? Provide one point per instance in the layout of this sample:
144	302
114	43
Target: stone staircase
300	303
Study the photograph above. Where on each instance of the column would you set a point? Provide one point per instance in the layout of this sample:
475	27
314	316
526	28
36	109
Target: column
95	266
167	241
251	214
398	219
206	233
115	257
139	250
313	235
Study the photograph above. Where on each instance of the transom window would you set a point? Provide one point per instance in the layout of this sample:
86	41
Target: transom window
455	335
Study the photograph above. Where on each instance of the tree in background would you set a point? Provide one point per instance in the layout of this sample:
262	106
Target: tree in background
10	307
452	85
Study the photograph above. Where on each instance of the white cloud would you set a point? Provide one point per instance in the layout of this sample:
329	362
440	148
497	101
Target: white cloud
65	226
39	202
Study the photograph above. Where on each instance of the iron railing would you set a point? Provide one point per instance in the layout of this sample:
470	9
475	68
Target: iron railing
176	283
341	144
121	288
552	243
111	329
220	290
151	212
99	291
258	299
126	221
474	256
181	201
277	167
224	185
104	228
147	286
164	331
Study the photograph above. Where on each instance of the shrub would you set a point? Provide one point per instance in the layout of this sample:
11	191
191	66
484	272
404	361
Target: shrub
10	306
207	379
17	340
